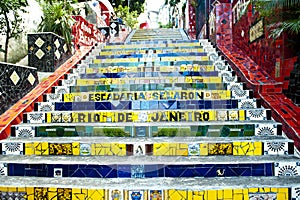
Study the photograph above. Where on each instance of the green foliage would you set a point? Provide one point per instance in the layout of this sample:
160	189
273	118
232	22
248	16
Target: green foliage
134	5
58	19
129	18
280	15
10	20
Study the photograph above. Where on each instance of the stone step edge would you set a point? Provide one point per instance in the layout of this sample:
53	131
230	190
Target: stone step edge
147	160
197	184
149	140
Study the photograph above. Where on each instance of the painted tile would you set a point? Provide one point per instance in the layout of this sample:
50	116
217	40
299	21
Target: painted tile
24	131
3	169
155	195
12	148
116	194
136	195
287	168
264	129
276	148
194	149
85	149
295	193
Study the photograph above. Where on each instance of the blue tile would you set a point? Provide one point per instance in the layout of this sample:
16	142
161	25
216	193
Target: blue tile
16	169
151	171
145	105
78	106
124	171
63	106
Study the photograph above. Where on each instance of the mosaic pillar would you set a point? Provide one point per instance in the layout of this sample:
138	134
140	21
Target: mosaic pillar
15	83
223	24
114	28
46	51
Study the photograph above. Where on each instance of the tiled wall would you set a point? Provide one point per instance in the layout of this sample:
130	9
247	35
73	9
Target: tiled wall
273	55
15	82
32	193
46	51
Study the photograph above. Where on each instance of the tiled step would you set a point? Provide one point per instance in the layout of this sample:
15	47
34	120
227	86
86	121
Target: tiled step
162	146
171	129
143	105
283	188
127	116
238	88
148	166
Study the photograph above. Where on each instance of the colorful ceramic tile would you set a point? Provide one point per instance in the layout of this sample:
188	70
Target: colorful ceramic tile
3	169
116	194
155	195
194	149
12	148
45	106
286	168
139	149
295	193
85	149
271	196
36	117
24	131
276	148
264	129
57	172
137	171
136	195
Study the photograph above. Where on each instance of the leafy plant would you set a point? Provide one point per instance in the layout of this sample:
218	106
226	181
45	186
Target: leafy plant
280	15
10	21
132	5
57	19
130	18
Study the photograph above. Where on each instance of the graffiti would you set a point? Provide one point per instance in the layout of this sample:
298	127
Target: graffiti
85	33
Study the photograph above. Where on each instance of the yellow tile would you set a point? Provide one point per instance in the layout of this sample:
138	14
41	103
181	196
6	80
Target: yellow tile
76	148
238	197
228	193
241	115
274	190
282	196
29	148
212	194
245	191
182	149
238	191
253	190
177	194
203	149
283	190
161	149
220	194
21	189
12	189
96	194
78	194
30	193
3	189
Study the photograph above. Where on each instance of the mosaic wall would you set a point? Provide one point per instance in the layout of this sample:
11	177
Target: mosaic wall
31	193
294	85
250	34
86	34
15	82
46	51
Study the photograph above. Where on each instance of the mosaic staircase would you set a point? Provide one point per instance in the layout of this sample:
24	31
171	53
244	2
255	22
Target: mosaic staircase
154	118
